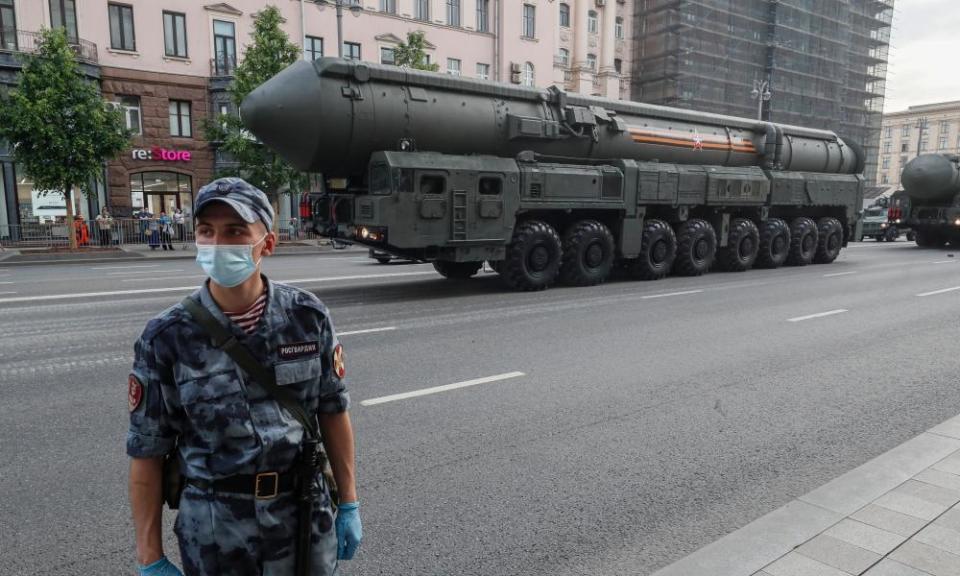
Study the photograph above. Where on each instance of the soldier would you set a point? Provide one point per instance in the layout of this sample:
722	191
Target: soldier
238	448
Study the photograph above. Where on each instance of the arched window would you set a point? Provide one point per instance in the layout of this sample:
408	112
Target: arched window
528	74
592	22
564	15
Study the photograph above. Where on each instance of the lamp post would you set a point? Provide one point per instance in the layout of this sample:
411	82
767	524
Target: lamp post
761	93
339	4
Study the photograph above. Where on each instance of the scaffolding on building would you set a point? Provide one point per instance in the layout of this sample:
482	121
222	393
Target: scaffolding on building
825	60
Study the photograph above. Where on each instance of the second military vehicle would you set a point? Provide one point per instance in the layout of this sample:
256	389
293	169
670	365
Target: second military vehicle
932	209
549	186
875	225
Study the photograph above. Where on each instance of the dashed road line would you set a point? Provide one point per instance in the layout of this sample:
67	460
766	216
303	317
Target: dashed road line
438	389
7	293
367	331
159	279
6	282
835	274
144	272
818	315
668	294
125	267
944	262
935	292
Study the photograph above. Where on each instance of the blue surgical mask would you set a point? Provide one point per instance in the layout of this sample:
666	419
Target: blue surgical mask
228	265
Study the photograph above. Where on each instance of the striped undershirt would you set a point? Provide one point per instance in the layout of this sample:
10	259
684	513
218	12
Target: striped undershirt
247	319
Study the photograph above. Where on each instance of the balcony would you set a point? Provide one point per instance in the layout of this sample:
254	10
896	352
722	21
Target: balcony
25	42
223	66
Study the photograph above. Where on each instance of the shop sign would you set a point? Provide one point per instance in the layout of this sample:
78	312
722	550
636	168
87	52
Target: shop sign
163	154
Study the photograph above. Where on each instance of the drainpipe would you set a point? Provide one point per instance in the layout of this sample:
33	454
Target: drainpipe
497	47
303	32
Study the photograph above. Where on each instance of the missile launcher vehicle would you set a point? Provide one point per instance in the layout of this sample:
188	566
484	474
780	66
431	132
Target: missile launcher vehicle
932	210
553	187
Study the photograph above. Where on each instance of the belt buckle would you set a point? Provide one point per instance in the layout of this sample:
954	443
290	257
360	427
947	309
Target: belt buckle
274	478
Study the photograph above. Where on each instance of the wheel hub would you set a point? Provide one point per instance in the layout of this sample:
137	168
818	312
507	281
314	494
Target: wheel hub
593	256
659	253
538	259
746	248
700	249
779	244
833	242
808	242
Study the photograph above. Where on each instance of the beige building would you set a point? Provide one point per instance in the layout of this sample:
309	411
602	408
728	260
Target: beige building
925	129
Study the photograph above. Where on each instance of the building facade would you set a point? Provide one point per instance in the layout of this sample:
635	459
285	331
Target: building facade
168	65
926	129
816	63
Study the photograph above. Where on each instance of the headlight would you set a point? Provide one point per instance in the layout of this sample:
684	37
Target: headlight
956	222
883	225
899	221
372	234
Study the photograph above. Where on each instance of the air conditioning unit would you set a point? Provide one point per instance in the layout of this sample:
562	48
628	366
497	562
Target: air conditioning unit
514	67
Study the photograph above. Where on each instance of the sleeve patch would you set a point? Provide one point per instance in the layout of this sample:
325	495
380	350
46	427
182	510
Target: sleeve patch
338	365
134	393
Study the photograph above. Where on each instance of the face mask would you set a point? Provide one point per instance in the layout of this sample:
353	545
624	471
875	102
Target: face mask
226	264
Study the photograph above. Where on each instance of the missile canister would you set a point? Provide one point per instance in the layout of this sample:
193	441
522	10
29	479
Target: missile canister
330	115
932	178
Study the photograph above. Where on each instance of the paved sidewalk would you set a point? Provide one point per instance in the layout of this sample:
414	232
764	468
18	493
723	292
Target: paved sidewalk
897	515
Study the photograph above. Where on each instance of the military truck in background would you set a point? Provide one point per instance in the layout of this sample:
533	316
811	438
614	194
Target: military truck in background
549	186
930	204
875	224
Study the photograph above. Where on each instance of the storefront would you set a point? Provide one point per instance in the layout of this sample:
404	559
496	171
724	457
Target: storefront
158	192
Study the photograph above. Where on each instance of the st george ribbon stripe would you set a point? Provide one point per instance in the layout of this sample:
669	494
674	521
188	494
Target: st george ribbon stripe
437	389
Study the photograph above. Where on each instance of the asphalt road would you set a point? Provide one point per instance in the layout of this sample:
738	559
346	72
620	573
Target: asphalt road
648	419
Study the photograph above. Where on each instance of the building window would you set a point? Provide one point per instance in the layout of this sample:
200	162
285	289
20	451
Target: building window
904	130
224	48
351	51
312	48
923	144
592	62
388	6
223	110
904	146
483	15
175	34
888	132
528	75
887	146
8	25
180	119
564	15
903	161
618	65
884	179
63	14
886	162
388	56
619	28
944	126
529	21
564	57
130	106
421	10
122	36
453	66
592	22
483	71
453	12
942	144
161	191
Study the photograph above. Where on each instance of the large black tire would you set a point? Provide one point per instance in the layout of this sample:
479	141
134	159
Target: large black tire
774	244
742	247
588	252
927	239
891	234
803	242
384	259
657	252
533	257
829	240
696	248
457	270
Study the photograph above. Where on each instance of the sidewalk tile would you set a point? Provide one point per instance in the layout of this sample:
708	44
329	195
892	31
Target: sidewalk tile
940	537
950	519
839	554
794	564
949	428
890	520
930	493
888	567
909	504
927	558
949	464
865	536
939	478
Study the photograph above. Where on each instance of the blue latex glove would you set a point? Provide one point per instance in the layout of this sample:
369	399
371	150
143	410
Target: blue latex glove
349	530
161	567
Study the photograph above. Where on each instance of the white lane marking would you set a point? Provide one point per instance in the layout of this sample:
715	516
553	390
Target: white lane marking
6	282
125	267
160	279
818	315
935	292
944	262
367	331
835	274
670	294
147	272
7	292
437	389
190	288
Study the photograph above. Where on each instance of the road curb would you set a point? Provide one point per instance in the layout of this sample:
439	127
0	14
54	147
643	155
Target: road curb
134	257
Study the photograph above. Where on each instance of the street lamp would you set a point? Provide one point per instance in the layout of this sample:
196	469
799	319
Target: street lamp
351	5
760	93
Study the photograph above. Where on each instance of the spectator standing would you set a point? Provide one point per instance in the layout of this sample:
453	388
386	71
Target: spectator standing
104	226
166	230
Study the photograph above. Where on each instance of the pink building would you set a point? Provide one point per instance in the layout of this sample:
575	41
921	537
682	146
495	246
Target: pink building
168	64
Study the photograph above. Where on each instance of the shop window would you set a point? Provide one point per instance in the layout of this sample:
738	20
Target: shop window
175	34
158	192
122	36
351	51
564	15
312	48
63	14
8	25
180	119
130	106
37	206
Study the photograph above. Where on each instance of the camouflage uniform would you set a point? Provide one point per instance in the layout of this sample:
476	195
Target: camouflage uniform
194	397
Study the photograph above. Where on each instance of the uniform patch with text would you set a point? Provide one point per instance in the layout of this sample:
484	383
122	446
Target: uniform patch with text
338	365
298	350
134	392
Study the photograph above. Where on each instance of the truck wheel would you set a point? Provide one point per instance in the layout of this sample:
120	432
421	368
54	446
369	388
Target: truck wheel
658	249
740	253
830	240
533	257
696	248
878	238
891	234
911	236
803	242
774	244
384	260
457	270
927	239
588	248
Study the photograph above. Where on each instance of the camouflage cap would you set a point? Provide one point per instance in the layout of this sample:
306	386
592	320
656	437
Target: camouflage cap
248	201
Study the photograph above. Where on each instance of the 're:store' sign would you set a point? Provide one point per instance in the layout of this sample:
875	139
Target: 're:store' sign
162	154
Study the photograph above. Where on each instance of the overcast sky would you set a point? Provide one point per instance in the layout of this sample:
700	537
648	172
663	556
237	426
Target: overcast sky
924	54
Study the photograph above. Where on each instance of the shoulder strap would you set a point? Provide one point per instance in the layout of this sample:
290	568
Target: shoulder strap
222	338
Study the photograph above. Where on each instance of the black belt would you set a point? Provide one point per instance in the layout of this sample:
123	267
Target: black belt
263	486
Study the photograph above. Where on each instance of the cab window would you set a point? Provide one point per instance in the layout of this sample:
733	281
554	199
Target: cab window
432	184
490	186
